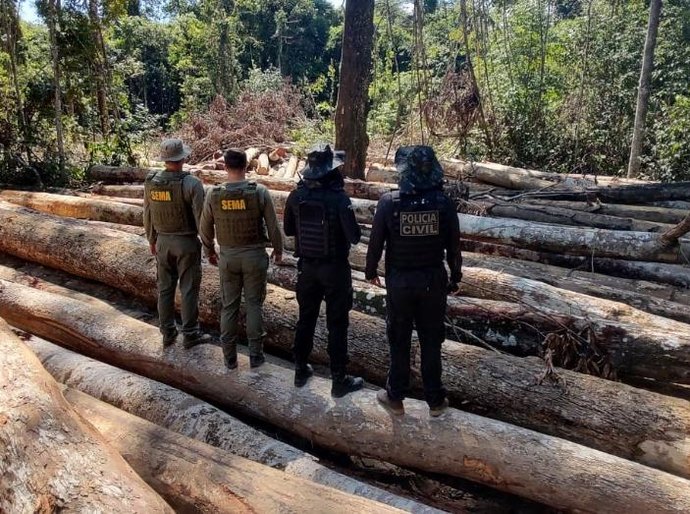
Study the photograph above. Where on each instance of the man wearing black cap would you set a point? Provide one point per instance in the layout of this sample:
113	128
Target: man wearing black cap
239	213
319	214
173	201
417	225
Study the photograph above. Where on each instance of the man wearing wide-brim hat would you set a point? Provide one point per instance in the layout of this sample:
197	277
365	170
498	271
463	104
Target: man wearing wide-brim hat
418	226
319	214
173	201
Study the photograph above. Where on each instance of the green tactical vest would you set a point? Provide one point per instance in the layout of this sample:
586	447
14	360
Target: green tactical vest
170	214
238	217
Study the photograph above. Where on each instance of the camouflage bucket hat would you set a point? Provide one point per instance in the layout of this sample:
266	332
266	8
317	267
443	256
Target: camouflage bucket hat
321	160
173	150
418	168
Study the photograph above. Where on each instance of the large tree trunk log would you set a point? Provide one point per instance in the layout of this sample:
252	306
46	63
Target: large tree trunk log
641	246
76	207
653	192
588	411
130	201
640	212
672	274
194	476
508	458
562	216
50	459
182	413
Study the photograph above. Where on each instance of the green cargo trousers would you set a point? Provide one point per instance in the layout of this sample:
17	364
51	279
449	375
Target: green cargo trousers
243	269
179	259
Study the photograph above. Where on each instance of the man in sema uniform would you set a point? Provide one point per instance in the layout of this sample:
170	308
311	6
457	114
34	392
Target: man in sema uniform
319	214
173	201
238	213
417	225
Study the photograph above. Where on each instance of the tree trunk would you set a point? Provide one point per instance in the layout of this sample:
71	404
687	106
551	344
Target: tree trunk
563	216
263	168
53	27
671	274
506	457
194	476
188	416
640	246
353	87
589	410
115	199
50	459
643	89
76	207
640	212
99	71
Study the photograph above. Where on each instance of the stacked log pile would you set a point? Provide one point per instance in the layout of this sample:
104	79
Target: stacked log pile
570	284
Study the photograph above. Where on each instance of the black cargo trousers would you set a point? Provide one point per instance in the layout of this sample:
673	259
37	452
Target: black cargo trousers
317	280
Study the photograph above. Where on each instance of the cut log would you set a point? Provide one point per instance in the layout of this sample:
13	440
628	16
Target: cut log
641	246
264	165
191	417
291	168
672	274
51	460
75	207
252	153
590	410
195	476
520	461
651	192
378	173
563	216
640	212
122	191
672	234
130	201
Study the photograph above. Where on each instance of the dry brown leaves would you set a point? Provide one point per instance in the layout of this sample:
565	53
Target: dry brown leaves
254	119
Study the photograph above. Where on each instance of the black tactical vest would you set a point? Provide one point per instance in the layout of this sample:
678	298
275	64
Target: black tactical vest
319	234
418	228
170	213
237	214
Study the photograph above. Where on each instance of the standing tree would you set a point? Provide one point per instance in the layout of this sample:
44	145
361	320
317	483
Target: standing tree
53	13
353	90
643	89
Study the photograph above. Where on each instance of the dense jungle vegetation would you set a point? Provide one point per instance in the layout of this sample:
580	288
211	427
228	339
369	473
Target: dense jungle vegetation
548	84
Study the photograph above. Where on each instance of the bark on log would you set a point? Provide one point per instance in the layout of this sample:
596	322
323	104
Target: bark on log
588	411
640	212
76	207
672	274
189	416
618	194
51	460
564	216
508	458
378	173
641	246
130	201
194	476
291	168
674	233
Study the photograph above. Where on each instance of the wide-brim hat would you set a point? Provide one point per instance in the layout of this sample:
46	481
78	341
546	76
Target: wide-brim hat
173	150
322	160
418	168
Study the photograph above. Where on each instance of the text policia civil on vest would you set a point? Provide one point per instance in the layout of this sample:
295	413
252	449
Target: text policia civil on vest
170	214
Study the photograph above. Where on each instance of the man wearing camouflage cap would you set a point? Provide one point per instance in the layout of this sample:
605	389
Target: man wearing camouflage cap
417	225
173	200
241	216
319	214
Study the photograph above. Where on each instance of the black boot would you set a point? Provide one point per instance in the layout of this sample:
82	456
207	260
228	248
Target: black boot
229	353
170	339
256	353
191	340
343	384
303	373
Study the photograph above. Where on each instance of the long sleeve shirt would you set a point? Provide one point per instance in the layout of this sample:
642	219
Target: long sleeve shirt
207	225
193	194
381	232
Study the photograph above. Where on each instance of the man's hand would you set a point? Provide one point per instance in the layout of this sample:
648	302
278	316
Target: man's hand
453	288
213	259
376	281
152	247
277	257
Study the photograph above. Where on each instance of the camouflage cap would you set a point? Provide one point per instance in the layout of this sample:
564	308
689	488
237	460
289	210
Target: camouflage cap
418	168
321	160
173	150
